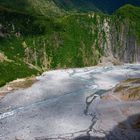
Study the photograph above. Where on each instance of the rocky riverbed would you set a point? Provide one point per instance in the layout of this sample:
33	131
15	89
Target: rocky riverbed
75	104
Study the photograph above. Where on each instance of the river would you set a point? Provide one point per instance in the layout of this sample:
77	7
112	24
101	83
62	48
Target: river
65	104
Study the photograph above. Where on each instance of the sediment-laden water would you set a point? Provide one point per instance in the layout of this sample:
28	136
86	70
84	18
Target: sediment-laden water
67	104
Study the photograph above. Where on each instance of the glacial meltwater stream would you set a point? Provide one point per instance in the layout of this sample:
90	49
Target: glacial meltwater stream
65	104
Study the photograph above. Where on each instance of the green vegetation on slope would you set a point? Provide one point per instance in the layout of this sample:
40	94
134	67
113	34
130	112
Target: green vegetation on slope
34	7
46	43
36	42
132	14
11	70
77	5
16	5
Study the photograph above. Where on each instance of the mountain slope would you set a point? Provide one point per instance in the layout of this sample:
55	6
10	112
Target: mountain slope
78	5
33	42
40	7
57	7
107	6
132	14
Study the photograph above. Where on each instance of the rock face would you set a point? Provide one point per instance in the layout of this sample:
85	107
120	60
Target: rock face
117	37
128	90
119	44
124	46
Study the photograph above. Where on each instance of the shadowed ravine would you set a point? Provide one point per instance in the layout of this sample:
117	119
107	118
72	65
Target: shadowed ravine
68	104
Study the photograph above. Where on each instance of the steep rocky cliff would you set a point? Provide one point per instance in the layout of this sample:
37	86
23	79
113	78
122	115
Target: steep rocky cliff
124	36
121	38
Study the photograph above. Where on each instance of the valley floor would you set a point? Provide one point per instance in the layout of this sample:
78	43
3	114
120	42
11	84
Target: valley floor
74	104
